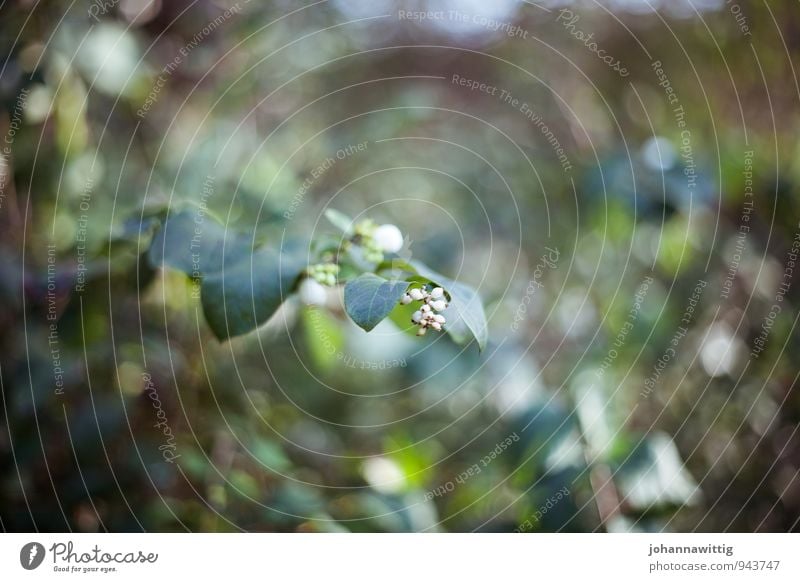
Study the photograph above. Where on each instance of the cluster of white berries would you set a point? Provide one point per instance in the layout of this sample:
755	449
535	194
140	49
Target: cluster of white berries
432	302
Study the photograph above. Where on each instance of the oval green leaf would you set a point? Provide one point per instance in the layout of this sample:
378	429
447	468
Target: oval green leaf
368	299
240	298
197	244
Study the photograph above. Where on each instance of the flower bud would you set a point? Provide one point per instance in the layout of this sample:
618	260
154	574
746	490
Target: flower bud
388	237
312	293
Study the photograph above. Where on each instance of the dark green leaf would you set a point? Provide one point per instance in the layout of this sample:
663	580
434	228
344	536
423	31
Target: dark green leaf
465	314
135	230
368	299
240	298
194	242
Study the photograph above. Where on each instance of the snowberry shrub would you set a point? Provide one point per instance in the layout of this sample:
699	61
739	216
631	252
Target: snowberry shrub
242	284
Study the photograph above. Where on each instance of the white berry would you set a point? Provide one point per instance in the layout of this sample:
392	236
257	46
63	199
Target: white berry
406	299
437	293
416	294
439	304
312	293
389	238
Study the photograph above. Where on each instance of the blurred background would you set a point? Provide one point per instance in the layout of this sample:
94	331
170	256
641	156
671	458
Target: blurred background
617	178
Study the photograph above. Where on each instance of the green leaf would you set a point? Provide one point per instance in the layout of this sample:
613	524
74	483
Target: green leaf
368	299
395	263
135	230
240	298
339	220
194	242
401	317
465	316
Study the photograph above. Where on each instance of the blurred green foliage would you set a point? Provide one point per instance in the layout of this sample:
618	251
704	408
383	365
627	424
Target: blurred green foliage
309	424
